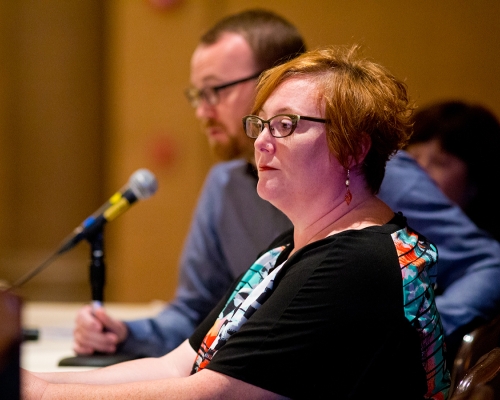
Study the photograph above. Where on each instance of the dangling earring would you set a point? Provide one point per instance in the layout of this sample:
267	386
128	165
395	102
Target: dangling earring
348	195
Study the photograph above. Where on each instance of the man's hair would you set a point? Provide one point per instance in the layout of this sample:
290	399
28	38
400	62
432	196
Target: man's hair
272	38
361	100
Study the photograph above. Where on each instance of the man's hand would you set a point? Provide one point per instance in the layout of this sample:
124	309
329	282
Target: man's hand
97	331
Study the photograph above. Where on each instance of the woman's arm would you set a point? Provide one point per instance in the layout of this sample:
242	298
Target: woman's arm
177	363
149	378
204	385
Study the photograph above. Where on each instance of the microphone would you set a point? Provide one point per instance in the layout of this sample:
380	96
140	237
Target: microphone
141	185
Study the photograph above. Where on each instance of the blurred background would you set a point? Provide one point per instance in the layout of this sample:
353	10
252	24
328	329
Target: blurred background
92	90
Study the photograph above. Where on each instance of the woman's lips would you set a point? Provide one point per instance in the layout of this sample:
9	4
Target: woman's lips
266	168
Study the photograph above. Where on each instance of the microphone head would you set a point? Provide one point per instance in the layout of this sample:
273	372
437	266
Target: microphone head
143	183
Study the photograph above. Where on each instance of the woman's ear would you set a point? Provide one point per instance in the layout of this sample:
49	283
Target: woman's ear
364	148
366	144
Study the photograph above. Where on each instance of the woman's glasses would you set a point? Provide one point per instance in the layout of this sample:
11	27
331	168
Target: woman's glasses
281	125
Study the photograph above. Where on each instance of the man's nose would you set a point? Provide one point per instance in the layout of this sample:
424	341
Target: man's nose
205	110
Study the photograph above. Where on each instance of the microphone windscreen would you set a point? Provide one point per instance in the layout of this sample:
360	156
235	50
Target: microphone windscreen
143	183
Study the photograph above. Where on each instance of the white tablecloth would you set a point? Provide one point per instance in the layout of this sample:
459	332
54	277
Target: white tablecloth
55	322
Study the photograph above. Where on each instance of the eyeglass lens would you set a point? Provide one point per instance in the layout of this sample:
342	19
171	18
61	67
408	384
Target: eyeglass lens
211	94
279	125
195	96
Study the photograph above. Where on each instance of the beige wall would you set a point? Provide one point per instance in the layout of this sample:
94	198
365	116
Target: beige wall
52	132
92	93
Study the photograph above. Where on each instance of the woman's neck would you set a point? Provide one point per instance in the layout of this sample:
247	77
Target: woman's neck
366	211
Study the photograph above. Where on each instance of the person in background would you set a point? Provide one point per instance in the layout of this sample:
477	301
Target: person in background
320	313
232	224
457	144
226	232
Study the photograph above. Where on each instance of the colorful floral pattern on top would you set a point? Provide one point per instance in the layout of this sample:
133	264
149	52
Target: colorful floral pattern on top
253	289
417	259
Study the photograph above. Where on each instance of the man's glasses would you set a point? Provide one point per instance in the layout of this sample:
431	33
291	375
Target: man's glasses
211	94
280	126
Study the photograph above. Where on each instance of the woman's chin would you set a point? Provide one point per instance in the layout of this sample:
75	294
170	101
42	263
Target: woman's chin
269	190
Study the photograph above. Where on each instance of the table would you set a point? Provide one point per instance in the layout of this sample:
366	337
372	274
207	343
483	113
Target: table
55	322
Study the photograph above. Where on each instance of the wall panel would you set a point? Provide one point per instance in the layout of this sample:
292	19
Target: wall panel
92	91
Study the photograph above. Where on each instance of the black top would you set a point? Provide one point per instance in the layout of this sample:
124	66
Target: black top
334	326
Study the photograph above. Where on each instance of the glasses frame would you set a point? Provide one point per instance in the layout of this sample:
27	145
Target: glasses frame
294	117
195	96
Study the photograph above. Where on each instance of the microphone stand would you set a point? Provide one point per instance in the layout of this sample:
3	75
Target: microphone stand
97	282
97	268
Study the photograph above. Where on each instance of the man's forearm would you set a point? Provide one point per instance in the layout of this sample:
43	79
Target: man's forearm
155	337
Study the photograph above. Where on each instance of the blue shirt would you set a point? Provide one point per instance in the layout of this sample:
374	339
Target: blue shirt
232	225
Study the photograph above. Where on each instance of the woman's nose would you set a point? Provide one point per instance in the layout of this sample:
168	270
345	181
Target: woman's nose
264	141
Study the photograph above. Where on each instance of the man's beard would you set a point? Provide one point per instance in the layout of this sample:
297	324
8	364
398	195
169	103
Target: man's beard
225	151
232	148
